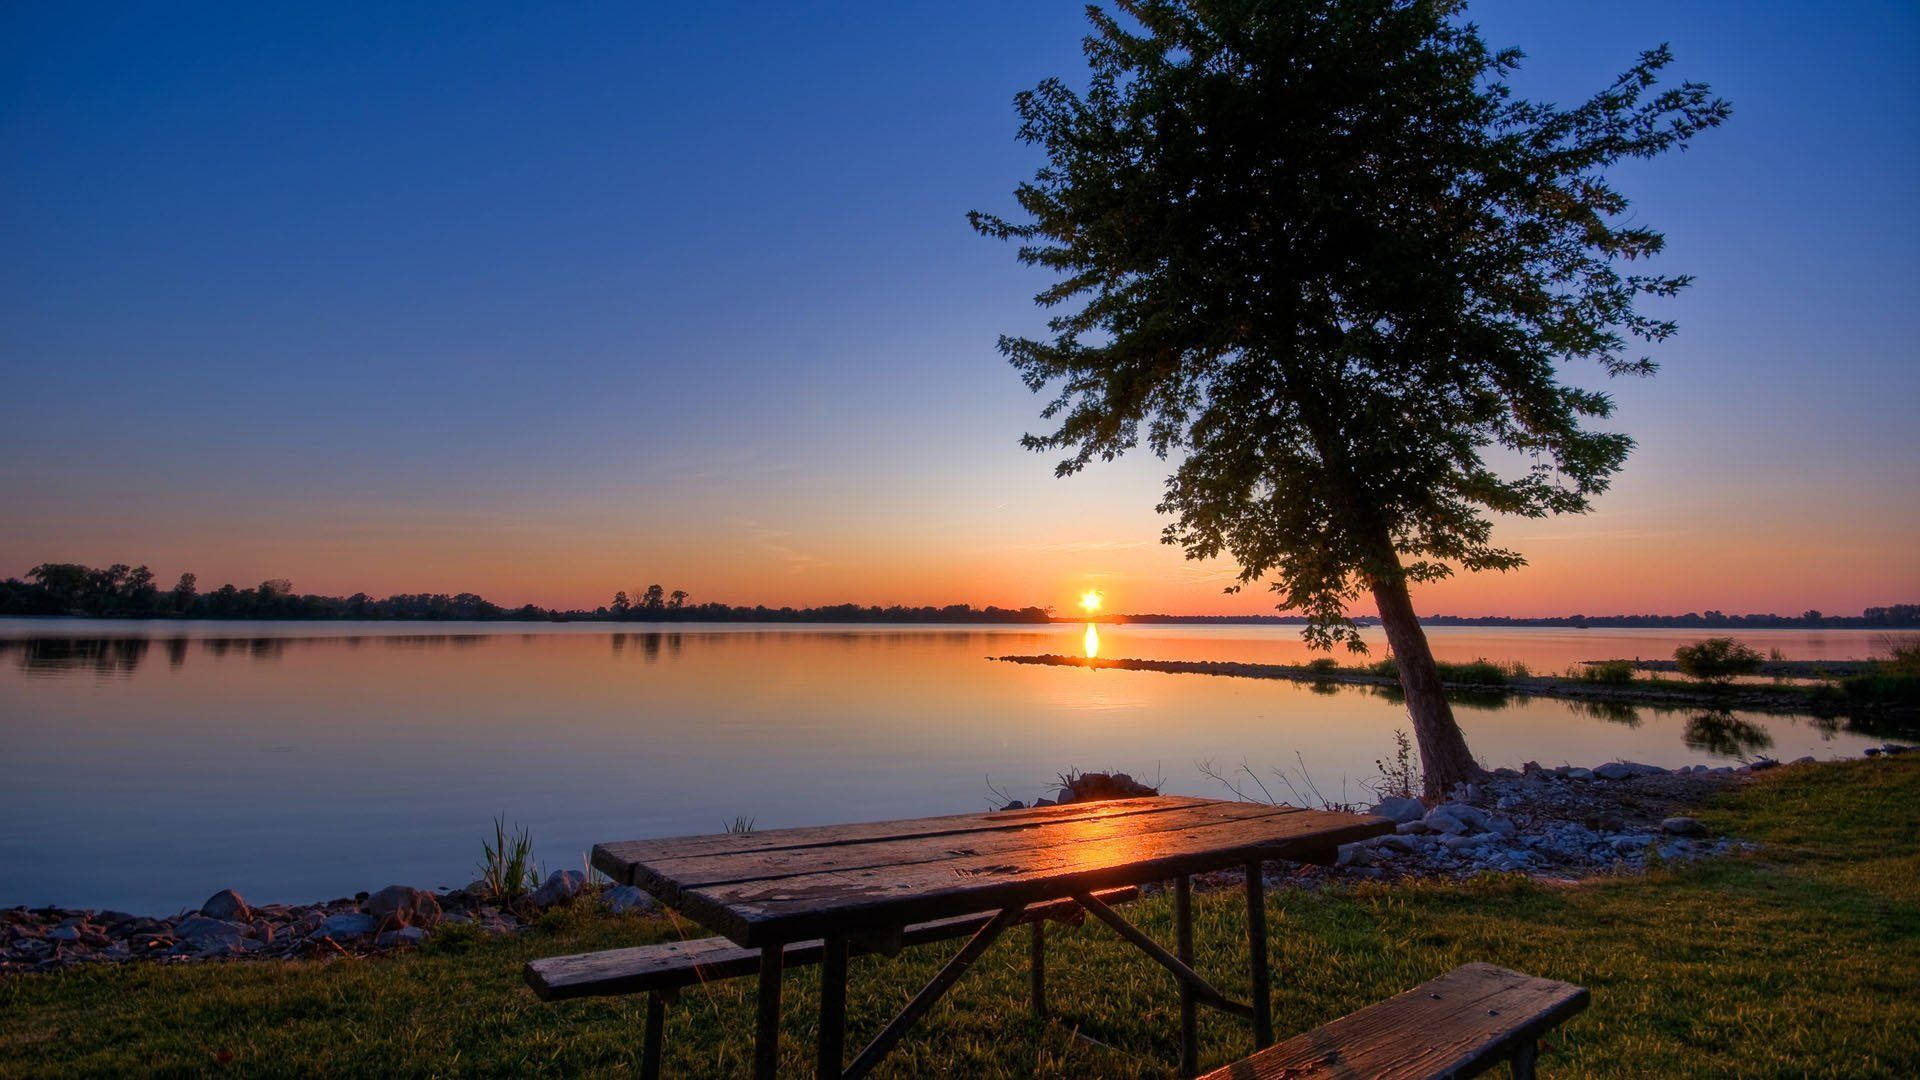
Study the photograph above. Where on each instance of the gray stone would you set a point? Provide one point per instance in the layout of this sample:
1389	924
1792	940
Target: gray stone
226	904
1683	826
1808	760
1579	774
561	886
64	933
206	935
621	899
399	906
1457	818
1872	751
1400	809
1895	748
1014	804
406	935
348	925
1632	843
1626	770
1466	842
1353	855
1413	828
1762	763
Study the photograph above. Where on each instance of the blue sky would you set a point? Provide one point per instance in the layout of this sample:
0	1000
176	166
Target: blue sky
546	300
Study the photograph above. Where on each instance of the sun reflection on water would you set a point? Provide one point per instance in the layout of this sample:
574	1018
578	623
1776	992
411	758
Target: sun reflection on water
1092	641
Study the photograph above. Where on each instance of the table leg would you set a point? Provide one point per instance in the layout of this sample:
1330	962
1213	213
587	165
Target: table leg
766	1035
1183	948
833	1007
650	1050
1037	966
1257	953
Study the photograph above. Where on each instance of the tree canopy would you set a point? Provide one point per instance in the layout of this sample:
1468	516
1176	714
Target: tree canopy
1321	256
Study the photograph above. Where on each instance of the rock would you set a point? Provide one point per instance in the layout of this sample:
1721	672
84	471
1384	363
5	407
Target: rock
1762	763
1093	787
348	925
1579	774
1399	809
64	933
1507	774
205	935
1457	818
1402	844
1530	768
1352	855
561	886
1683	826
226	905
1872	751
406	935
621	899
111	919
399	906
1609	823
1014	804
1461	843
1633	843
1626	770
1038	803
1413	828
1894	748
1808	760
1506	802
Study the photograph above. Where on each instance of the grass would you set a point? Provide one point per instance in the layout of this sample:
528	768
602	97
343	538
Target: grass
1800	960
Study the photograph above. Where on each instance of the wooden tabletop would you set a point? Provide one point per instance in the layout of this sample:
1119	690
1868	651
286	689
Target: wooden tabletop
784	885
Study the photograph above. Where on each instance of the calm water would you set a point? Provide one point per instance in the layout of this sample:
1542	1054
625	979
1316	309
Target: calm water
147	765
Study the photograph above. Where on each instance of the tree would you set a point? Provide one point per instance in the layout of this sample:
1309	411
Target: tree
677	600
620	604
654	598
1716	659
1318	254
184	592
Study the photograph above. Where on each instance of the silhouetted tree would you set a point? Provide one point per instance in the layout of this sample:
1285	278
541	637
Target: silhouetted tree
654	599
618	609
185	591
677	600
1319	252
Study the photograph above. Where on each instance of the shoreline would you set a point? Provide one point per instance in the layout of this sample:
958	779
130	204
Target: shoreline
1751	696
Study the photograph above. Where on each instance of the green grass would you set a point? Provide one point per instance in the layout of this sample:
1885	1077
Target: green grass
1801	960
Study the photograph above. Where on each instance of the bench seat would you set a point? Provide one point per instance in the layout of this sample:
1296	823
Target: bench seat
1460	1024
671	965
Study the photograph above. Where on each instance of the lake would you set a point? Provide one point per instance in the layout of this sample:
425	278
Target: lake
149	764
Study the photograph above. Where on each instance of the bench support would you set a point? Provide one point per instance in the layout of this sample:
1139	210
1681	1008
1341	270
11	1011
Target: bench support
1523	1060
650	1048
1257	955
1183	949
898	1027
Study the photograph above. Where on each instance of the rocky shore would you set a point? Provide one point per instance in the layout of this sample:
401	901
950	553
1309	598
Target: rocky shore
1561	823
226	927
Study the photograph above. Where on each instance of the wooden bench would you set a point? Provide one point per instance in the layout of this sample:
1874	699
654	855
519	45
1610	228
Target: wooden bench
1460	1024
663	970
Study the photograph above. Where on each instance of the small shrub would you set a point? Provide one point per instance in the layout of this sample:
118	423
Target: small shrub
508	870
740	825
1481	672
1325	665
1609	672
1389	668
1717	660
1903	655
1399	776
454	938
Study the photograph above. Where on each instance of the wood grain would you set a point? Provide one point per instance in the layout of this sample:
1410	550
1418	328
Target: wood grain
1460	1024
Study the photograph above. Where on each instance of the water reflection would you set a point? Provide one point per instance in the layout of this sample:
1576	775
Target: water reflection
1720	732
1091	641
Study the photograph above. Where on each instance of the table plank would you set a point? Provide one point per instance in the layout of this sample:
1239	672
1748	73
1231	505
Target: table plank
790	908
698	871
631	851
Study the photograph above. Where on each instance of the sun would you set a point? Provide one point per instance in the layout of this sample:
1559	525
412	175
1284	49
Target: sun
1090	601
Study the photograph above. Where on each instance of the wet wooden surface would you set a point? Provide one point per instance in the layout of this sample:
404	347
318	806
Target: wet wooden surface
1464	1022
787	885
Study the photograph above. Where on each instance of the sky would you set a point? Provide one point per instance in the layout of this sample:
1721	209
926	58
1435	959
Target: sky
544	301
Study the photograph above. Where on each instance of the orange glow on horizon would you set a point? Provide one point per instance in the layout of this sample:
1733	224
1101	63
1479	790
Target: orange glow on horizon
1090	601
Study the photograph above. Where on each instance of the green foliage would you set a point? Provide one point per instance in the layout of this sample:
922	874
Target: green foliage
1323	665
1319	252
1902	655
1481	672
1386	667
507	868
1609	672
1717	660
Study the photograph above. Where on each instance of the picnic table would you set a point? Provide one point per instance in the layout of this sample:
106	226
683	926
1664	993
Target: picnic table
863	884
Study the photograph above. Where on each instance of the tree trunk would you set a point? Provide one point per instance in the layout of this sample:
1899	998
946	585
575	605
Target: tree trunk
1444	757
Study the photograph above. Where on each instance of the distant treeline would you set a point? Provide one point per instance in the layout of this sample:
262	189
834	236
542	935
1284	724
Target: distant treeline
131	592
1896	616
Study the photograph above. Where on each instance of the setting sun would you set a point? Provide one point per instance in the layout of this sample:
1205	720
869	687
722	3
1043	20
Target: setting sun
1090	601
